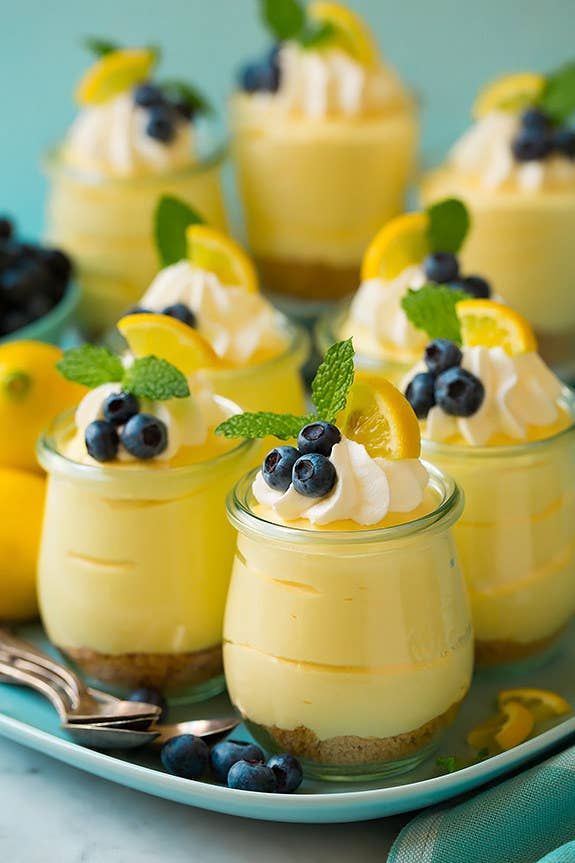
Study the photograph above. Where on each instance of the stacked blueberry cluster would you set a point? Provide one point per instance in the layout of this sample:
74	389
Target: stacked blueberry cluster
33	280
261	76
443	269
308	467
142	435
164	114
455	390
179	311
539	137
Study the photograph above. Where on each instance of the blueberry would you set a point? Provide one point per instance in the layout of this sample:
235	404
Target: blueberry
118	408
318	437
313	475
475	286
160	125
535	118
458	392
6	228
420	394
441	354
58	264
531	144
288	772
148	96
38	306
228	753
441	267
145	695
182	313
14	320
252	776
23	280
145	436
186	756
564	142
259	77
101	440
278	465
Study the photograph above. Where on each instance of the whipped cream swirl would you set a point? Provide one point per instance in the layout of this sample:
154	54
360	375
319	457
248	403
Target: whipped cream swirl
366	489
111	139
237	323
484	152
520	392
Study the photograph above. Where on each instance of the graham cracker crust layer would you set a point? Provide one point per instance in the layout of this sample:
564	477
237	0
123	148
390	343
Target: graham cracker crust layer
348	749
156	670
501	652
307	280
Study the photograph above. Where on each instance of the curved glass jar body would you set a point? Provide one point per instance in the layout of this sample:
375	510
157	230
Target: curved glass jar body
523	243
134	567
106	224
315	192
515	540
350	650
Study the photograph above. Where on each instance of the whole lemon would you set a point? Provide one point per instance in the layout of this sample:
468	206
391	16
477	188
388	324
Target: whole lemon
20	526
32	392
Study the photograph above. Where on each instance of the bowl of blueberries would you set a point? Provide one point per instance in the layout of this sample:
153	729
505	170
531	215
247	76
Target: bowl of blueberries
37	295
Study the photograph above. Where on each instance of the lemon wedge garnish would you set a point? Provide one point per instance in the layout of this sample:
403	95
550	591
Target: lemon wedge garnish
351	34
168	339
378	416
113	74
491	324
509	728
541	703
401	243
214	251
509	93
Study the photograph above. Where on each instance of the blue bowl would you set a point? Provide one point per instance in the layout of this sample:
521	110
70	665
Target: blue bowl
51	328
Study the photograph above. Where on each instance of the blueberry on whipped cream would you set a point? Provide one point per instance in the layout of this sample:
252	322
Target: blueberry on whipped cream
142	435
308	467
539	137
455	390
442	268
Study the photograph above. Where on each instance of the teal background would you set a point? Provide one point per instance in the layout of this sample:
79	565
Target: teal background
444	48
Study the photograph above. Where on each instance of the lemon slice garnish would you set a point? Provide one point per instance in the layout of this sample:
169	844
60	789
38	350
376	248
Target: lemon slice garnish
378	416
509	728
509	93
490	324
351	33
113	74
168	339
401	243
214	251
541	703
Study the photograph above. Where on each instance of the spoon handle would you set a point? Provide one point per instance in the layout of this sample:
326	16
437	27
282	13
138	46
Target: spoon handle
19	675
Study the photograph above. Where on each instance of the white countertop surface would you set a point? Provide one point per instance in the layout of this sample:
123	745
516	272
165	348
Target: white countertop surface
51	813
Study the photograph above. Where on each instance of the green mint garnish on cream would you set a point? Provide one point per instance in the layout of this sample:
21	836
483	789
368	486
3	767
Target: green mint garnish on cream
171	218
329	389
288	19
432	309
448	225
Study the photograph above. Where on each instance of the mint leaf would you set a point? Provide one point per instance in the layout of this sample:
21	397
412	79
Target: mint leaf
316	33
171	218
432	309
91	366
100	47
448	225
155	379
180	91
332	381
285	18
450	764
558	97
258	425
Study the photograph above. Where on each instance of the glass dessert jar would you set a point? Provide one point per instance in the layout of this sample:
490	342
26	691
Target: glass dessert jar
349	649
134	566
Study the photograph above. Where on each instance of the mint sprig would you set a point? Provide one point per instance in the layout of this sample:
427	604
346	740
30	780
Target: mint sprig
433	309
448	225
316	33
182	91
329	390
558	97
148	377
100	47
285	18
171	218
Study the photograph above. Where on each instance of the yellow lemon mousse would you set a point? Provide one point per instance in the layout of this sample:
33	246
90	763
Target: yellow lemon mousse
324	141
347	632
136	553
497	419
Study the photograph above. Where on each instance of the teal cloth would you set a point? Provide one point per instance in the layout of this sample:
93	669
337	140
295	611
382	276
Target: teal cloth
529	818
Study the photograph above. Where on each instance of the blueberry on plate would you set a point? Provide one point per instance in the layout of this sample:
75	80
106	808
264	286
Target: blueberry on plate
476	286
441	267
420	394
145	436
182	313
148	95
186	756
228	752
458	392
278	465
535	118
146	695
531	145
441	354
313	475
288	772
119	407
160	125
564	142
101	440
252	776
318	437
